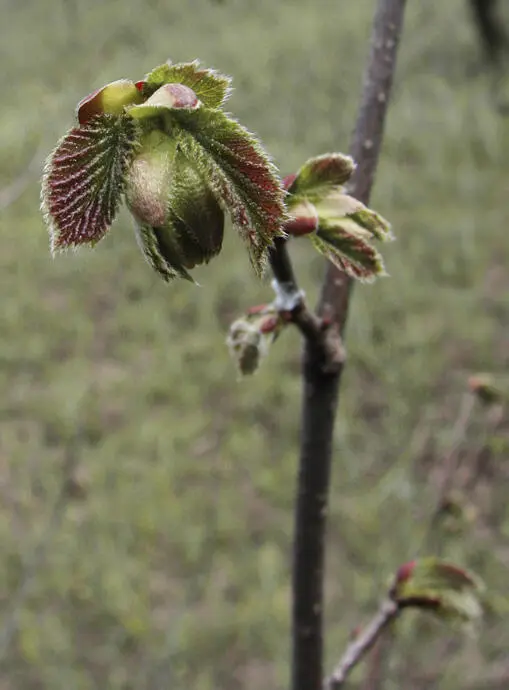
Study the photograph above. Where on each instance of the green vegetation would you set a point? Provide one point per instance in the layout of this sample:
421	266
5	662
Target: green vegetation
170	565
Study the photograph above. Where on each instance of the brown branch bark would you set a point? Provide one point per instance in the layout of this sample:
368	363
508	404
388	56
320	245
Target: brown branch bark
322	381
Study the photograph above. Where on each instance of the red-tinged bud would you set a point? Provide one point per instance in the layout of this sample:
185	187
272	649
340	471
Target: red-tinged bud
299	227
484	388
168	96
270	324
303	219
251	336
405	572
174	96
109	100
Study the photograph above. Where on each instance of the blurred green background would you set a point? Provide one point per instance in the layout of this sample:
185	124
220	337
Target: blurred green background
146	495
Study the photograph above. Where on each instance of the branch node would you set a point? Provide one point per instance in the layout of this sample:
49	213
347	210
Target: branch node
288	296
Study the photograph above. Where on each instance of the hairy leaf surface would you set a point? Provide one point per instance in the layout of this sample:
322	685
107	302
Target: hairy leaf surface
211	87
84	179
239	172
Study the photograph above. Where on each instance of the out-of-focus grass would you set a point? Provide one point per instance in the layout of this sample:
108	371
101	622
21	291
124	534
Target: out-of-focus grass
173	569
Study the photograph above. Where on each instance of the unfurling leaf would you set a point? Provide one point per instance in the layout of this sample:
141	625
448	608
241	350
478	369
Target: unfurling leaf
339	226
85	177
320	175
240	174
379	228
450	592
349	252
211	87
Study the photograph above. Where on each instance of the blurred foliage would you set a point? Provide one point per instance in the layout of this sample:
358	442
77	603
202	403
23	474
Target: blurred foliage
170	565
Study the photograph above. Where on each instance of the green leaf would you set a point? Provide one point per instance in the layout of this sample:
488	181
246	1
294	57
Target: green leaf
347	246
162	251
445	589
199	218
240	174
320	175
84	179
149	179
211	87
374	222
179	221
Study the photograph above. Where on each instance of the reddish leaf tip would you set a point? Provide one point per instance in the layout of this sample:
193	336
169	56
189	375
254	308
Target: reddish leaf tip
88	107
289	180
110	99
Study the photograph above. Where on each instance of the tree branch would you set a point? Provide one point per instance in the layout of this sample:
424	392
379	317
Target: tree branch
326	340
388	612
321	383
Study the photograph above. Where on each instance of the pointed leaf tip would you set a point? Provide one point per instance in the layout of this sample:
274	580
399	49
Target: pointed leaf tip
379	228
84	179
319	175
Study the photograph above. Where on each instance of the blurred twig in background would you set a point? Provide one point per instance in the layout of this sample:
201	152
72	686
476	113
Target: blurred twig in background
35	560
9	194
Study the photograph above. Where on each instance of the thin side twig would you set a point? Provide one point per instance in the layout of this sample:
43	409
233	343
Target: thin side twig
358	648
450	465
326	340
